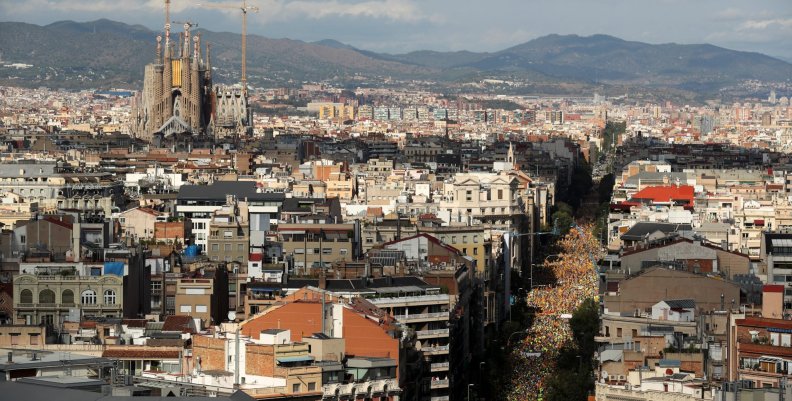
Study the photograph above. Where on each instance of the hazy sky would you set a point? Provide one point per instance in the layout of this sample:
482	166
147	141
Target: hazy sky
479	25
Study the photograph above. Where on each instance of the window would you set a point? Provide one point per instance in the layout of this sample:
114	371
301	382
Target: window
327	251
312	386
26	297
468	196
342	252
296	388
618	332
67	297
14	338
46	297
34	339
109	297
240	248
464	239
228	234
475	251
500	194
201	308
475	239
215	247
227	247
88	297
22	239
185	309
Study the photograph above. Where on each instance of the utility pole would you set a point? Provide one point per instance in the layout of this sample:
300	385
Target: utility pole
245	9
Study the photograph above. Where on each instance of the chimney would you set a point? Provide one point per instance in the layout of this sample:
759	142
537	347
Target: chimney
322	279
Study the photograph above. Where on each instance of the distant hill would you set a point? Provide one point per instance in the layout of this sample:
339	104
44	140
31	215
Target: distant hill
107	53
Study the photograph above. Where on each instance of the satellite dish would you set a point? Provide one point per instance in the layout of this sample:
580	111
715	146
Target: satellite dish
232	315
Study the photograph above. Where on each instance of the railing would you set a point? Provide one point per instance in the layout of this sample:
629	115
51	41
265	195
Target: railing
441	348
422	316
439	383
415	299
432	333
439	366
50	306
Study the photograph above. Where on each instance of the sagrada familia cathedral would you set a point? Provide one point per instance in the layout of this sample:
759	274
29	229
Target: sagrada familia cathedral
179	103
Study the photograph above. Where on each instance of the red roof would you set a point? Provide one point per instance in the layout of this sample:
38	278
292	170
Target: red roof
773	288
58	222
181	323
666	194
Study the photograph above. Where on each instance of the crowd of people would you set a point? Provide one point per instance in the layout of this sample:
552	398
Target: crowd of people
577	280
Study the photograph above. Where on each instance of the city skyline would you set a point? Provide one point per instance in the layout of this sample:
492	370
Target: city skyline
398	26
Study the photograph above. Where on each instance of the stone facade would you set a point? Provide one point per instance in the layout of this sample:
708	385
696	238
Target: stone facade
47	299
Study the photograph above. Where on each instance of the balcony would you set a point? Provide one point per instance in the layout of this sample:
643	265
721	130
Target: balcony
440	333
418	300
423	317
46	306
764	349
439	367
440	398
442	349
439	384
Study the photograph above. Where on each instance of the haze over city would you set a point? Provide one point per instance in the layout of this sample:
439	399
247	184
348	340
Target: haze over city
398	26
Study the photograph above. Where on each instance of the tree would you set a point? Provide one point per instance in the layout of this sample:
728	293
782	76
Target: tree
585	326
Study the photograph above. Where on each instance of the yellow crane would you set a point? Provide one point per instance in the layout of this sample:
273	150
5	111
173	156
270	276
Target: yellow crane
245	9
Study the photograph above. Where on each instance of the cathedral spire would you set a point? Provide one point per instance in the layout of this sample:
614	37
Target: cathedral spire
186	49
159	49
167	41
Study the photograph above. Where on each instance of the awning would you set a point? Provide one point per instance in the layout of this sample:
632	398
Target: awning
303	358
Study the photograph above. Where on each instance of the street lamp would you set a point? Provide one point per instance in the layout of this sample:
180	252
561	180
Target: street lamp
508	342
468	391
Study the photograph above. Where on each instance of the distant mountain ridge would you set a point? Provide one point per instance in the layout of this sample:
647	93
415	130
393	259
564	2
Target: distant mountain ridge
105	53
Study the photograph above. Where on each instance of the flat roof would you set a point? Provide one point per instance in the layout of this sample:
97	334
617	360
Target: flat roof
62	381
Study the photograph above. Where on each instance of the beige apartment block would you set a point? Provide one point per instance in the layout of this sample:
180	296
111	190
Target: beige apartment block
48	299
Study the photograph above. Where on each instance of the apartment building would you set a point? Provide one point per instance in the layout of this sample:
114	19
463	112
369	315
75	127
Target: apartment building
315	246
229	234
204	295
51	297
199	202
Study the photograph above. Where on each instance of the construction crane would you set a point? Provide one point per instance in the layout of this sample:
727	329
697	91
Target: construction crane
188	23
245	9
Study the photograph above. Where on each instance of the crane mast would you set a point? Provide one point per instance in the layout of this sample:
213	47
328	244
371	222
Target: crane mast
245	9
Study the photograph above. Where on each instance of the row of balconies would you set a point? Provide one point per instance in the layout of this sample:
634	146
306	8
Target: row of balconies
368	388
439	384
439	367
67	306
439	333
422	317
436	350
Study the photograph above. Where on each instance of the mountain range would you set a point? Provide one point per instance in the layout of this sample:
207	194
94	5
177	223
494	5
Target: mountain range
106	53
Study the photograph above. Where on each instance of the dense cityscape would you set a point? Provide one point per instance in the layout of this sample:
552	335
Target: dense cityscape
200	235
